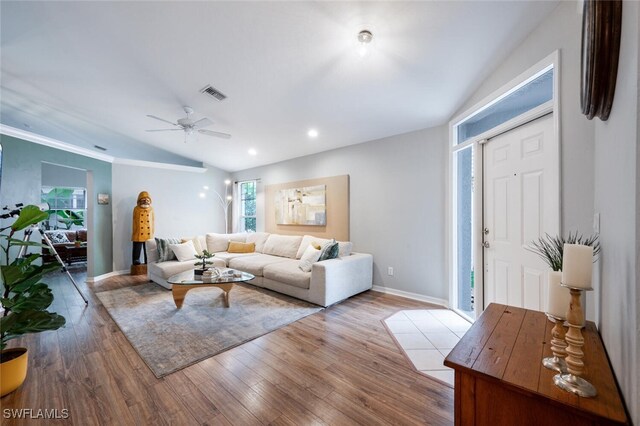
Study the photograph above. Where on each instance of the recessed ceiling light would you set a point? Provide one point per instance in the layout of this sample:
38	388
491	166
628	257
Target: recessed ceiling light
252	152
205	187
202	195
313	133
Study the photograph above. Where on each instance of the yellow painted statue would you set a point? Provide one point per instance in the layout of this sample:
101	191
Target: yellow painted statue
142	226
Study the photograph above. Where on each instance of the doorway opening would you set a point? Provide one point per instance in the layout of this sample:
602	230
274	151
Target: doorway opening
528	97
64	189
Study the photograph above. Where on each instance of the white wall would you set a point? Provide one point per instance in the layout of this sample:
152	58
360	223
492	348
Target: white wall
397	203
179	211
617	182
55	175
561	30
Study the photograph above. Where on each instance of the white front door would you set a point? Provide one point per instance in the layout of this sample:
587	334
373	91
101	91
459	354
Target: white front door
521	188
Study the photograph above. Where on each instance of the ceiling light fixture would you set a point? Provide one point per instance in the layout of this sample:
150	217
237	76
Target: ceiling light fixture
364	37
312	133
202	195
252	152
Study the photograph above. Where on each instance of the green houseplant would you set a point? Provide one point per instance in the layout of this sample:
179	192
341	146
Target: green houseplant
24	299
203	262
551	248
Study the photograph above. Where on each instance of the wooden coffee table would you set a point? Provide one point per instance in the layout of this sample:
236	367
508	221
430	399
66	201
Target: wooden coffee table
183	282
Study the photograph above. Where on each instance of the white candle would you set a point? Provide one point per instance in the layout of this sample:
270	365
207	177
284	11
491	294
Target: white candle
577	264
558	297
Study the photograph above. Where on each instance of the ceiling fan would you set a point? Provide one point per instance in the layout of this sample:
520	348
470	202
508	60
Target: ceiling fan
188	126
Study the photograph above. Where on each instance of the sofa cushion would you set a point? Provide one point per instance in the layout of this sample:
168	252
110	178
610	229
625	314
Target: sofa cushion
164	251
58	237
288	272
81	234
259	238
344	248
306	242
152	250
255	263
172	267
329	251
309	257
282	245
220	242
199	243
236	247
185	251
226	256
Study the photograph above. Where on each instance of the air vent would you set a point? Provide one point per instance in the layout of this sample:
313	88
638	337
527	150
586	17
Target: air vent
214	93
101	148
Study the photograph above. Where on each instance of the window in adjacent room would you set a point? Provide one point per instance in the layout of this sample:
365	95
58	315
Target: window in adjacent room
247	191
67	207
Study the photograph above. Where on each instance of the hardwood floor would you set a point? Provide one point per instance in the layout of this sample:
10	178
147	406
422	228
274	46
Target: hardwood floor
336	367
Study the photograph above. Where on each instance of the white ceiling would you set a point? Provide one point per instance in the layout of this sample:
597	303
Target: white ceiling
88	72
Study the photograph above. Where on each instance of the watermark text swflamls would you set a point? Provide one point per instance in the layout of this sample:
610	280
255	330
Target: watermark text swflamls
31	413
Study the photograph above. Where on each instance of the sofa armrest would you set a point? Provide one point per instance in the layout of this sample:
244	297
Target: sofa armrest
337	279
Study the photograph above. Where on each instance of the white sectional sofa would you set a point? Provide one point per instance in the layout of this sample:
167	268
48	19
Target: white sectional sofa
275	264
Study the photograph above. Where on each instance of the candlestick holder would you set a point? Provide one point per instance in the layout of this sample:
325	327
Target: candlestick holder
571	380
558	346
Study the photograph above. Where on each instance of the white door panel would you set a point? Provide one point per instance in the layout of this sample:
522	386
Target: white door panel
521	203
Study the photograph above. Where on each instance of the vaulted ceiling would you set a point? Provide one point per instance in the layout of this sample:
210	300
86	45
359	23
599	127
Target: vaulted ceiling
88	73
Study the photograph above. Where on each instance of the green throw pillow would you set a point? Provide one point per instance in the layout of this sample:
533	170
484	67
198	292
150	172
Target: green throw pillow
329	251
164	251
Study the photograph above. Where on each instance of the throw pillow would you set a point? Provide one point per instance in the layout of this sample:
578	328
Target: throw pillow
329	251
164	251
309	257
184	251
58	237
197	244
236	247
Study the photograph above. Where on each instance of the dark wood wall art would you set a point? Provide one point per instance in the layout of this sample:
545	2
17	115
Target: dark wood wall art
601	28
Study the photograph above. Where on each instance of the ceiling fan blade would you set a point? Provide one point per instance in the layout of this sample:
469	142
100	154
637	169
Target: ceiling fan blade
203	122
216	134
161	119
163	130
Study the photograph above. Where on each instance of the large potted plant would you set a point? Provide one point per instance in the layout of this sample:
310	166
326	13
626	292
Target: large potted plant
24	299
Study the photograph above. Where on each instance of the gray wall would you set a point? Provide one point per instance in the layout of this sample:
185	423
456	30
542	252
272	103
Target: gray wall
21	181
561	30
55	175
179	210
397	203
617	186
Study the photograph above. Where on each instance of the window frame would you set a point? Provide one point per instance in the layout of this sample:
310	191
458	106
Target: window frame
241	214
476	142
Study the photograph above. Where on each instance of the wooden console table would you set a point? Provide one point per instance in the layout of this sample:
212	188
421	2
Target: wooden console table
500	380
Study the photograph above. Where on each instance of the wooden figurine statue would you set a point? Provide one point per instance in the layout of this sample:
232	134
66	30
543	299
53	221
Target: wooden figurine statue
142	231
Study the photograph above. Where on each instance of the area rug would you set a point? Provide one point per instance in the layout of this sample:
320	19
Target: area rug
170	339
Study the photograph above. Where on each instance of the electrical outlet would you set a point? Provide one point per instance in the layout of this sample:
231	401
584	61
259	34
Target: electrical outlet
596	223
390	271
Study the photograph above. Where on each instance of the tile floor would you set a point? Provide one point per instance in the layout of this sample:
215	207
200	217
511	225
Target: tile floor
426	336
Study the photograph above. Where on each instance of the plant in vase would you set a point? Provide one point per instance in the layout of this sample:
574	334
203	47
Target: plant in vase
24	299
204	262
551	249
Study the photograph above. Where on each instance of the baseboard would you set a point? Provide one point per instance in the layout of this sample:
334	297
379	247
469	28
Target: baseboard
409	295
105	276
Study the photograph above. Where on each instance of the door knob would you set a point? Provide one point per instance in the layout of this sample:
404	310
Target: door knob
486	244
